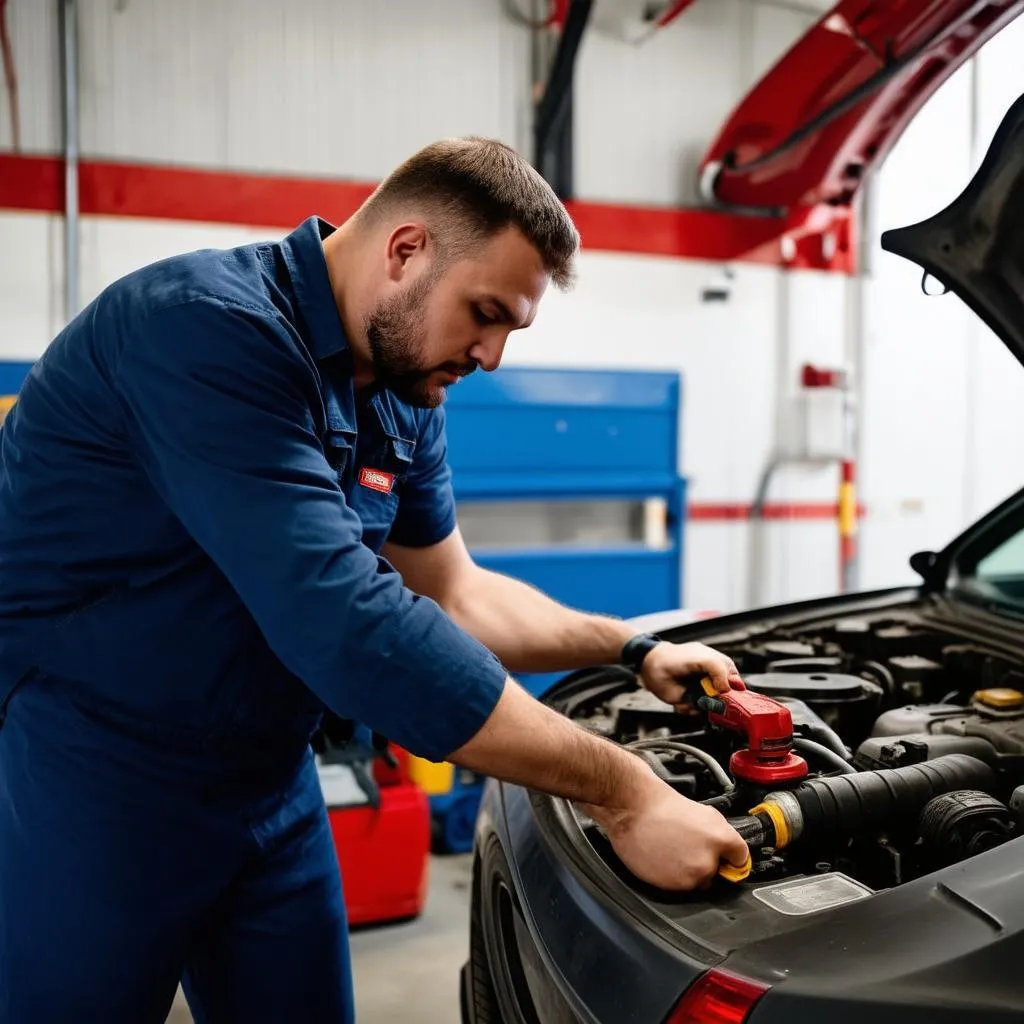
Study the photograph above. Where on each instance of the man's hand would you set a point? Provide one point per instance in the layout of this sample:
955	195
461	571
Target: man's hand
669	667
670	841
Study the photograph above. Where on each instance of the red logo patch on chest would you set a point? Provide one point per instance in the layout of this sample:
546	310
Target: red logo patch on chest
377	480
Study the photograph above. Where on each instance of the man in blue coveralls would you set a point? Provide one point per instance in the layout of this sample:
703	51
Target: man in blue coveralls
196	486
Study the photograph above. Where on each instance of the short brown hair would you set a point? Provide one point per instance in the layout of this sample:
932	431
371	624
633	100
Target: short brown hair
478	187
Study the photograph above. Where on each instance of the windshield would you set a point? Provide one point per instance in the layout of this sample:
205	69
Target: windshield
990	566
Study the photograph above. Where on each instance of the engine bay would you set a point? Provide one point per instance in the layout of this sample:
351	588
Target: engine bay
870	751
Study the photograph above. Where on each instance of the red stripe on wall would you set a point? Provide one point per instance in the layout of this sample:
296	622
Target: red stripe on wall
178	193
175	193
31	183
702	511
694	234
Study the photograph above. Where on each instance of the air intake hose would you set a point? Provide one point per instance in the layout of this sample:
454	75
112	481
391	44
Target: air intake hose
847	804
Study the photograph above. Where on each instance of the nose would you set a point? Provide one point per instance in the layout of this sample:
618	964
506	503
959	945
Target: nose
487	352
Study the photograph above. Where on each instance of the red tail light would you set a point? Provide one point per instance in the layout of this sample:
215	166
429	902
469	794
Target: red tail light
718	997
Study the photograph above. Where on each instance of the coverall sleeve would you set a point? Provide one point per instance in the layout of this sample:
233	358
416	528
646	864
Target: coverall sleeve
218	402
426	509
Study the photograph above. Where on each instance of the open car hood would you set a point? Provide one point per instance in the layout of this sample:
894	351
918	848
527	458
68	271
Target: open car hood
975	246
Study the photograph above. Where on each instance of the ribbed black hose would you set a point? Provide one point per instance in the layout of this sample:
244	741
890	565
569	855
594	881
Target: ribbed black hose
848	803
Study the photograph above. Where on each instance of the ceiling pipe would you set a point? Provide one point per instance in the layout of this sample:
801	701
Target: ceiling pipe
553	132
10	77
68	15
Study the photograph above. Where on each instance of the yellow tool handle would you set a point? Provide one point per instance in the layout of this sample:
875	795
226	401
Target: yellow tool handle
735	874
729	872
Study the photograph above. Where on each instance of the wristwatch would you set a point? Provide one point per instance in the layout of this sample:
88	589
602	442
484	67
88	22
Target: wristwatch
637	648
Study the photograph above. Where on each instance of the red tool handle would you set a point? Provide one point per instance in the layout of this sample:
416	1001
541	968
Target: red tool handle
767	727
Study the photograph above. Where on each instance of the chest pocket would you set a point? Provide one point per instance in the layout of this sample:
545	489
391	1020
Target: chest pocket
372	465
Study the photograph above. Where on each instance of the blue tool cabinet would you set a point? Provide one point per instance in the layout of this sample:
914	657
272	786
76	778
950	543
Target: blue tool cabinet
12	376
523	436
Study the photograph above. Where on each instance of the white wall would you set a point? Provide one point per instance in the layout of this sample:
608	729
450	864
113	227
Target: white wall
940	392
346	88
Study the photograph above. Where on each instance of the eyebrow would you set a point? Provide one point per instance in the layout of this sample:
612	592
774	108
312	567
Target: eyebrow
506	313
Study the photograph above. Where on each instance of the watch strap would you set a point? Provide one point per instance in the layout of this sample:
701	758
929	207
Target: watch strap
637	648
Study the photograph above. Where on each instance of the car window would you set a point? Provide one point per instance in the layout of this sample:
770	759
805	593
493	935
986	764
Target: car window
1005	560
995	573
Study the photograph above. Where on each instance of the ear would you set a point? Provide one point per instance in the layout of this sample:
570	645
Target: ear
404	246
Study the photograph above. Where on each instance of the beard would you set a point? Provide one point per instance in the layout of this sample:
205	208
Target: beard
394	330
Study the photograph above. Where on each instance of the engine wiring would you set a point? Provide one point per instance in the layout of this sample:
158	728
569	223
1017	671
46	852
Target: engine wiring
828	756
677	747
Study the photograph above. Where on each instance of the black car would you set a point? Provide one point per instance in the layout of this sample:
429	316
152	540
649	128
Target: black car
880	788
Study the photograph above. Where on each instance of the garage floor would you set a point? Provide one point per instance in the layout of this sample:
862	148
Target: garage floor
414	965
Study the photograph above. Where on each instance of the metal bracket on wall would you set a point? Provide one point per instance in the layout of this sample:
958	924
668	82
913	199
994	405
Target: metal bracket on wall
552	130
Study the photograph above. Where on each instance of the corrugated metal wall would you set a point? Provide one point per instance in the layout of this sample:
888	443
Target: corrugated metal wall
337	87
35	43
348	88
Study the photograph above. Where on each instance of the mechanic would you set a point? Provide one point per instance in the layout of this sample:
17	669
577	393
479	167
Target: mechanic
224	508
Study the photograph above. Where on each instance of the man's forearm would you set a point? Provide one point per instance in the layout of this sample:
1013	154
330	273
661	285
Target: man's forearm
526	743
529	631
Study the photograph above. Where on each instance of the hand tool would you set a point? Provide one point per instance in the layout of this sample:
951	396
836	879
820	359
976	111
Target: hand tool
768	759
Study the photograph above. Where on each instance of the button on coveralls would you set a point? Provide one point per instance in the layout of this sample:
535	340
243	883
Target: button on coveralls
192	502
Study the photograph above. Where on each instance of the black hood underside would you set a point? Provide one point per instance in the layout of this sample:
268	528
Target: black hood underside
975	246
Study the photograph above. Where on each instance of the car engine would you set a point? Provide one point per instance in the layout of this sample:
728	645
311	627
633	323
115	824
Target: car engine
876	748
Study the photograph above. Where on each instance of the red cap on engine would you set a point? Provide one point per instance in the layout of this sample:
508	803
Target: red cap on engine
768	728
750	767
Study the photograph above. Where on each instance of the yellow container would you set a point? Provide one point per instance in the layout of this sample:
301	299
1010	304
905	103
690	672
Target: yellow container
434	778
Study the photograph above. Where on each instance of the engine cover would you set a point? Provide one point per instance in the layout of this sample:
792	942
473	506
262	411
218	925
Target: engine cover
1007	737
838	699
914	718
992	726
913	748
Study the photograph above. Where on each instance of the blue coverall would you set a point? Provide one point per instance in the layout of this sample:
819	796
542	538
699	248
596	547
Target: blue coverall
189	575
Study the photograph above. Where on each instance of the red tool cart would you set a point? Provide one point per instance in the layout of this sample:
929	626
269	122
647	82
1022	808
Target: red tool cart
380	820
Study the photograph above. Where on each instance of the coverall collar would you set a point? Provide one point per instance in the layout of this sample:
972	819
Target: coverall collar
304	257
